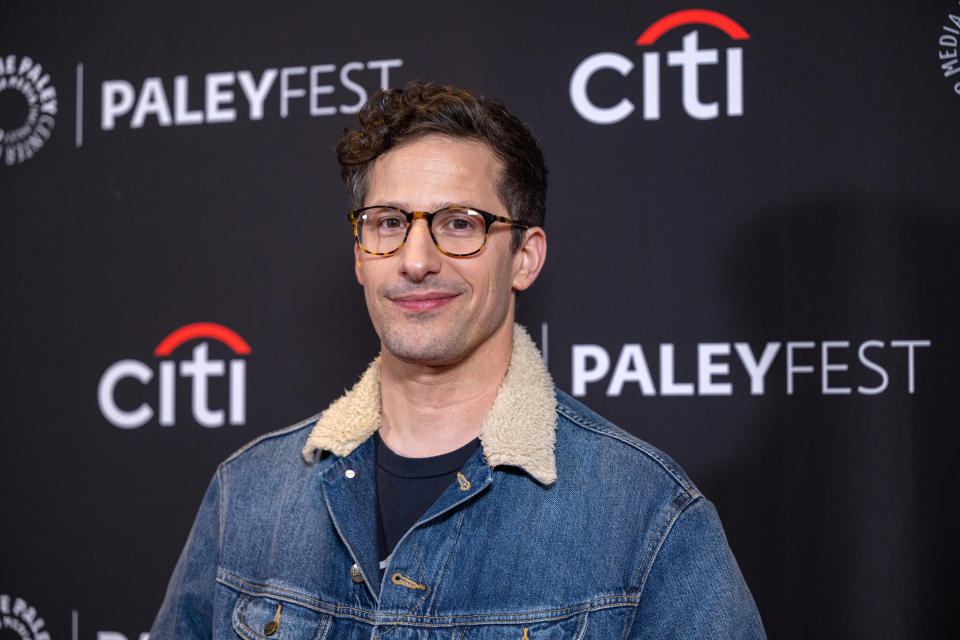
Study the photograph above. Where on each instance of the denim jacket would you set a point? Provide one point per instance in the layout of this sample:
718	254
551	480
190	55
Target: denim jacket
560	526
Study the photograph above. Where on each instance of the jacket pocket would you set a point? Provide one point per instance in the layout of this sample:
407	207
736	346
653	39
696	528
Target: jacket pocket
573	628
265	618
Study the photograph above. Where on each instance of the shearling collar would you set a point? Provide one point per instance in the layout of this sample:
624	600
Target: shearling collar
519	431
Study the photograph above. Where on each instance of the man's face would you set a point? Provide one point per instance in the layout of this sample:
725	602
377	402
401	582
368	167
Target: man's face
428	307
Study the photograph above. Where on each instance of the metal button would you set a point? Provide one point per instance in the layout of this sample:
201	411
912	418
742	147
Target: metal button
274	624
355	574
350	473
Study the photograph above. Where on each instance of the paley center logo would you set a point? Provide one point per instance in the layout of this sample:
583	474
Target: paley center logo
19	619
28	104
689	59
947	47
200	369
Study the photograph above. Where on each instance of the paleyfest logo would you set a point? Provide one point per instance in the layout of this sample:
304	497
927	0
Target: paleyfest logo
231	96
199	368
689	59
836	367
28	104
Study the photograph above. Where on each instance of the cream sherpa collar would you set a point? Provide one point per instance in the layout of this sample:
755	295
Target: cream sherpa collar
518	431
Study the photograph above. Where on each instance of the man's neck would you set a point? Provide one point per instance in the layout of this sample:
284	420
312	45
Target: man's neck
431	410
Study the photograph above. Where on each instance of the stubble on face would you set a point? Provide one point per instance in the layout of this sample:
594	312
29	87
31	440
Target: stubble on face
420	337
404	291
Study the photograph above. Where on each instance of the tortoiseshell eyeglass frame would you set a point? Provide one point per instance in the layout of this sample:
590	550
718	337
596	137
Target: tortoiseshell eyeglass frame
427	216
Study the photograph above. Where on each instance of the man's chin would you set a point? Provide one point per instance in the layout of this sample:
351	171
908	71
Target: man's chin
425	348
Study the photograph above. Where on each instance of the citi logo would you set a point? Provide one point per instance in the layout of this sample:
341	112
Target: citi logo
199	369
689	59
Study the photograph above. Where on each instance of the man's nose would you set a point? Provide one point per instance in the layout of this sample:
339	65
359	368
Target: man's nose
420	256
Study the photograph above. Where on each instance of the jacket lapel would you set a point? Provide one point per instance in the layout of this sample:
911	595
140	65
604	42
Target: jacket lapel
350	493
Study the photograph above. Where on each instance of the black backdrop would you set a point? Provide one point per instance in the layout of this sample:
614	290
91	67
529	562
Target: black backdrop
820	225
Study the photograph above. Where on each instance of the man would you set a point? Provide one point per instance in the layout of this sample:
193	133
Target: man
453	492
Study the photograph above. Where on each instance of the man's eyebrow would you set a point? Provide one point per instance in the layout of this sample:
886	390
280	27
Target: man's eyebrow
458	203
436	206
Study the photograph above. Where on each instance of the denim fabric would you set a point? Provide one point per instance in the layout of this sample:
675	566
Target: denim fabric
622	545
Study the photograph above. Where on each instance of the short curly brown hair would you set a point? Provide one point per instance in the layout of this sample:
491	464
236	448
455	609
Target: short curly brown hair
394	116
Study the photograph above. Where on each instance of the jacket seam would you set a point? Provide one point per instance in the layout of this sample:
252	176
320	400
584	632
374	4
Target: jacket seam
456	538
590	425
288	595
221	495
663	530
324	628
670	517
454	620
272	434
582	631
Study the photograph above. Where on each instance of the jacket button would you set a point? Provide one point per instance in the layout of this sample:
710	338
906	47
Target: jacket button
355	574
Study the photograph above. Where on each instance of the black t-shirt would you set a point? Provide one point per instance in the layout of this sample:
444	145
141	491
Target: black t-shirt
406	487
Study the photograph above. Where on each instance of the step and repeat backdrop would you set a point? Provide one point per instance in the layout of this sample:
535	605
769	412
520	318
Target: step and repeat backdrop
753	218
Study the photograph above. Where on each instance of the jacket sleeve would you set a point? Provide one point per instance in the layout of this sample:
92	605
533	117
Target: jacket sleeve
187	609
694	588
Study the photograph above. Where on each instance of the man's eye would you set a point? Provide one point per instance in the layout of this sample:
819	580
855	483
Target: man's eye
391	223
460	222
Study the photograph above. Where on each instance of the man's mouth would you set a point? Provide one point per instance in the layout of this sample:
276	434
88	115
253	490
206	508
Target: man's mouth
424	300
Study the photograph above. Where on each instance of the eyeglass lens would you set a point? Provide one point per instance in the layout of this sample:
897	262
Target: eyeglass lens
455	230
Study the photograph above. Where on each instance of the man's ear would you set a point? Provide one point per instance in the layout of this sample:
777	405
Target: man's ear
356	263
529	258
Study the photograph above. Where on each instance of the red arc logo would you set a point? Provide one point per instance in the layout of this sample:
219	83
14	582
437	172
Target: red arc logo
202	330
692	16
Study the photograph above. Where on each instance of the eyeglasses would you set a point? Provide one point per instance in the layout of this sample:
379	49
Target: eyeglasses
457	231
